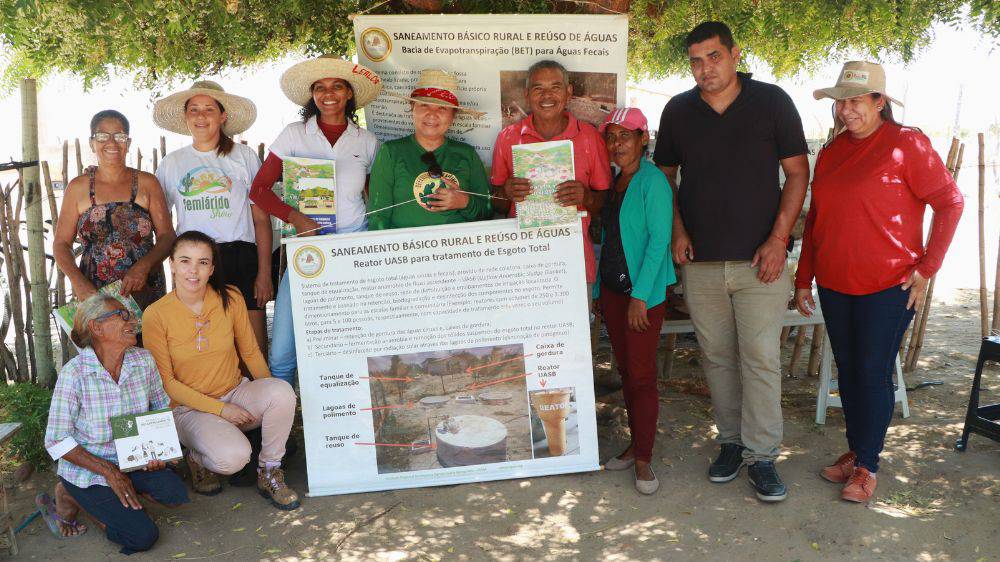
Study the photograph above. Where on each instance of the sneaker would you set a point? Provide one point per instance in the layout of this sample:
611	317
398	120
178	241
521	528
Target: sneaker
203	480
728	465
860	487
271	485
840	471
766	482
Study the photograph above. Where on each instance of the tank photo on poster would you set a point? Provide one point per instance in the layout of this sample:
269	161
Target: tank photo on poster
440	409
555	431
594	96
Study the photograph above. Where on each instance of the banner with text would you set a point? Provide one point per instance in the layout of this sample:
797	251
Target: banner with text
442	355
491	54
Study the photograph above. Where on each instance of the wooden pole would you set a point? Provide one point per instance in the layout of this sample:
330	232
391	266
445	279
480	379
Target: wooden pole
995	328
14	285
79	158
65	164
163	146
60	294
260	151
984	299
41	309
156	162
138	159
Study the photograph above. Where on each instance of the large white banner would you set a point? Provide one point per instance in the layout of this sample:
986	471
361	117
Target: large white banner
491	54
442	355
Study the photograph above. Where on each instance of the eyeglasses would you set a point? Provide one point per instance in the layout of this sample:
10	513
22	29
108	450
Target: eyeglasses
122	313
121	138
433	168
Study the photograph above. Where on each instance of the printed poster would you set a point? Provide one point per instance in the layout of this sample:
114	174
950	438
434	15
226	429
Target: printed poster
546	164
490	54
140	438
309	186
442	355
64	314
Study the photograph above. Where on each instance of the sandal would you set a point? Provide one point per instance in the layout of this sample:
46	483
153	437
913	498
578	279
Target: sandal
47	508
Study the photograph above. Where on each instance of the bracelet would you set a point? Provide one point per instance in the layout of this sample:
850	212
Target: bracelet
782	239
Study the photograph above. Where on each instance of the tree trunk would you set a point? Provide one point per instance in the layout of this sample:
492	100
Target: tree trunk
60	295
14	286
36	242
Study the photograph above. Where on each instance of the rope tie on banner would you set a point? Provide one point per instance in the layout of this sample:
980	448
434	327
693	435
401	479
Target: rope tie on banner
303	233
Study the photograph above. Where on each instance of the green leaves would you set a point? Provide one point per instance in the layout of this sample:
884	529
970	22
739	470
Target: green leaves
158	41
29	404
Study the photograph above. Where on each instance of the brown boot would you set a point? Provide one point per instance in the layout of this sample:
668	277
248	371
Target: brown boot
203	480
271	485
841	470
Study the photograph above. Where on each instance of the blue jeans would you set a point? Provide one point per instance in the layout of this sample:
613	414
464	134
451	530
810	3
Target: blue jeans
865	333
282	353
131	528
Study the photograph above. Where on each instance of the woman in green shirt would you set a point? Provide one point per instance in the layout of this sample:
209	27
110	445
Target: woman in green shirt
426	178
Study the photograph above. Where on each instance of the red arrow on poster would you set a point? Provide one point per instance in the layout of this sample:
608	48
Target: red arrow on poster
541	382
432	446
408	405
498	381
470	369
404	379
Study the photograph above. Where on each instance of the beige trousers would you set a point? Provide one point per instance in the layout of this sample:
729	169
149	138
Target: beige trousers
220	446
738	322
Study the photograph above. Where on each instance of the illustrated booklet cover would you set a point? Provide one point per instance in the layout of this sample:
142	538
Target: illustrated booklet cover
65	313
546	164
309	186
140	438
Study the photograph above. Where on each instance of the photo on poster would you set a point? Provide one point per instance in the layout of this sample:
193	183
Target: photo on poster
594	95
440	409
555	431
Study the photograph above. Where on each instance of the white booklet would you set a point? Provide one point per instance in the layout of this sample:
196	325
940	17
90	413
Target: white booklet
140	438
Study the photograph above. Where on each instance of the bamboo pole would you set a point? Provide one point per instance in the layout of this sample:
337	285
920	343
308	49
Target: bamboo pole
156	162
163	146
924	313
13	282
79	158
984	298
60	290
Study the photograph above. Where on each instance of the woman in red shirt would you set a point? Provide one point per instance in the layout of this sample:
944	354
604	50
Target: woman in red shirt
863	242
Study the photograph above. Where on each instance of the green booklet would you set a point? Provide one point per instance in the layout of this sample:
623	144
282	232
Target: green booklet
140	438
309	186
546	164
65	313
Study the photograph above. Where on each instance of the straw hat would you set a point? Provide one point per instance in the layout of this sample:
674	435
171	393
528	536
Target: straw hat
168	112
857	78
437	87
297	81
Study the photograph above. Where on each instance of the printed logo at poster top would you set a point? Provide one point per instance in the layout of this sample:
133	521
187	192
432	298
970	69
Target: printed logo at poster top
308	261
376	44
425	185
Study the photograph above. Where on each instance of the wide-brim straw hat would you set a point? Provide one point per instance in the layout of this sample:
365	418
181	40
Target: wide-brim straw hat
168	112
297	81
437	87
857	78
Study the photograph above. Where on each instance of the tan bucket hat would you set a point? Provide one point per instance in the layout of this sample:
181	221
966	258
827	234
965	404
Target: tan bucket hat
168	112
857	78
297	81
437	87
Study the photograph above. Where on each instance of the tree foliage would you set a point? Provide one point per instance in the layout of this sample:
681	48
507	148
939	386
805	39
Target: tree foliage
162	40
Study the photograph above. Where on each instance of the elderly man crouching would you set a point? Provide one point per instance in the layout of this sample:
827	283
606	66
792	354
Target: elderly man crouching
110	377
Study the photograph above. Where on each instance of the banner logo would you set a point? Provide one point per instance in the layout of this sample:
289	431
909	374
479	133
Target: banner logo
425	186
308	261
376	44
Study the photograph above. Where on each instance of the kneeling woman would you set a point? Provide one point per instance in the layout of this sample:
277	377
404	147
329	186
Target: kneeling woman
109	377
198	333
634	272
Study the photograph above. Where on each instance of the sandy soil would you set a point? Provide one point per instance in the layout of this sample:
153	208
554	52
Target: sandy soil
933	503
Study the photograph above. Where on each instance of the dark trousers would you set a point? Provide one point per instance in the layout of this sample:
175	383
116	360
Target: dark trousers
865	333
131	528
635	353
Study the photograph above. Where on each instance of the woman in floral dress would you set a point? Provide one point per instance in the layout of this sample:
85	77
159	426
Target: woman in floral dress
115	212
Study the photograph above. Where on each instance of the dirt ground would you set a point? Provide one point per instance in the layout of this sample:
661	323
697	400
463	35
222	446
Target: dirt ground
932	503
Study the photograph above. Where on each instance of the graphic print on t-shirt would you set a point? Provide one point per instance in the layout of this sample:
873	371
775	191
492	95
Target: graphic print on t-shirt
206	188
425	185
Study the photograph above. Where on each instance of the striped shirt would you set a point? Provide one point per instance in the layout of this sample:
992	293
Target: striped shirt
86	397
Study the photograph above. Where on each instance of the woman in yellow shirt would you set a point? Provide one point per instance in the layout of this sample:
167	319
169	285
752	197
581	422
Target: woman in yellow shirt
197	333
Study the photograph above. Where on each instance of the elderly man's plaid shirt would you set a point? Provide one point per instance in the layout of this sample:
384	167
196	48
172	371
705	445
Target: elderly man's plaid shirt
84	400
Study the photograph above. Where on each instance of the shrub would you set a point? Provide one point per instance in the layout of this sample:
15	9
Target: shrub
28	404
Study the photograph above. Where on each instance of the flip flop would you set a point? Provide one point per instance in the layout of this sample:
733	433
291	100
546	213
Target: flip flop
47	508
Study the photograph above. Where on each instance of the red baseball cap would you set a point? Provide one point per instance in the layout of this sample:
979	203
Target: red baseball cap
629	117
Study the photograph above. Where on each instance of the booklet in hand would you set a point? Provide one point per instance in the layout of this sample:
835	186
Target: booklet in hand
140	438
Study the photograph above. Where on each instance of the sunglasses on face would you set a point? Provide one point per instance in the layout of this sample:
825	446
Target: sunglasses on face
105	137
433	168
122	313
